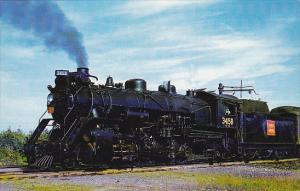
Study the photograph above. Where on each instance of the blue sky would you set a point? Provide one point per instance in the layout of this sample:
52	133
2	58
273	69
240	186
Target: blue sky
195	44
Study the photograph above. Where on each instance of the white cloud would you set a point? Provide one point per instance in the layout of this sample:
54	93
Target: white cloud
243	63
21	52
14	34
146	8
191	59
18	110
21	113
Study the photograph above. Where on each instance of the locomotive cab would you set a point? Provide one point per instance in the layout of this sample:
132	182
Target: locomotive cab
224	108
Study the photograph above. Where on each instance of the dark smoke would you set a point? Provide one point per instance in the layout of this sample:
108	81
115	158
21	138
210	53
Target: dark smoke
47	21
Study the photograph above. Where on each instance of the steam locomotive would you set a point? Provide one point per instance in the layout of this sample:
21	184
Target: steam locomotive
103	124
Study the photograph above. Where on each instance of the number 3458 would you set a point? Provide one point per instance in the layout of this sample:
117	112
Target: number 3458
226	121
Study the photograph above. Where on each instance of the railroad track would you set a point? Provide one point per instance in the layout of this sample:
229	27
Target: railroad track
23	173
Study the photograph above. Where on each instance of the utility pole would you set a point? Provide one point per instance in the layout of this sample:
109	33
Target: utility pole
241	92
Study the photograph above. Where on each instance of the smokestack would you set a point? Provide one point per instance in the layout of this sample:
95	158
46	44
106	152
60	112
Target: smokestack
48	22
84	71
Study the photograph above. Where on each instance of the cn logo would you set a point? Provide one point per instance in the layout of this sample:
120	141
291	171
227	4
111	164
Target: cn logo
271	128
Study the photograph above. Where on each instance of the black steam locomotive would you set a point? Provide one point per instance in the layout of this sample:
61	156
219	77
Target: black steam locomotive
102	124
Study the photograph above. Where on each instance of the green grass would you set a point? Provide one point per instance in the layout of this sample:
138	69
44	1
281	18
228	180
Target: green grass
26	184
287	164
230	182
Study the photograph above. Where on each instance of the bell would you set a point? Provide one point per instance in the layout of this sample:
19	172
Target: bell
109	82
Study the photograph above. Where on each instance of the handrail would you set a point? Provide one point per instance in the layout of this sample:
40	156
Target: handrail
92	104
74	122
42	116
72	106
68	114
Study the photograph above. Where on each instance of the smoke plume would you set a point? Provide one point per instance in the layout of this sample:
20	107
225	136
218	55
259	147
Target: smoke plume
48	22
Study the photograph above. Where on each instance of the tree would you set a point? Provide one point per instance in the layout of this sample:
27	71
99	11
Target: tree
11	147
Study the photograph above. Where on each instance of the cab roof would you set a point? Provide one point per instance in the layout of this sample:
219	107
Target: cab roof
214	96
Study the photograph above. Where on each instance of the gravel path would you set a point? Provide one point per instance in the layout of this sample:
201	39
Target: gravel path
140	181
126	181
151	179
247	171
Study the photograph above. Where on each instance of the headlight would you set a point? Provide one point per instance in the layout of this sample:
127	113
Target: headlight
50	98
